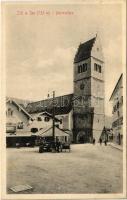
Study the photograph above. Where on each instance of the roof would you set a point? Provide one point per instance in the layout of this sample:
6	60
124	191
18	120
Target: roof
63	105
49	115
84	50
19	106
116	86
48	133
22	102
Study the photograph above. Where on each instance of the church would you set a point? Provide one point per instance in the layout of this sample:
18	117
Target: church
82	112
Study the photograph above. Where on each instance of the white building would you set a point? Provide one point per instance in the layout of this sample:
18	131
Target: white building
17	118
117	111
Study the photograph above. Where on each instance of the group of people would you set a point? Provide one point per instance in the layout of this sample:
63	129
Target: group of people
100	141
57	146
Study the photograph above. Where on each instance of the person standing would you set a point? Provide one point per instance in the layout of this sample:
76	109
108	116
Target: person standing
100	140
94	141
58	145
105	142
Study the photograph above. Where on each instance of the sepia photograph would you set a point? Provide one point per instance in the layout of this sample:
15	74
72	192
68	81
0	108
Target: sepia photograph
64	102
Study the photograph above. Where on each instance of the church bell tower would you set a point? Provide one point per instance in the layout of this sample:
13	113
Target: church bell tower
88	107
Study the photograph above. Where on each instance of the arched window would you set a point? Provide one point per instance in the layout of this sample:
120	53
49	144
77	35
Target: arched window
46	119
99	67
84	67
80	69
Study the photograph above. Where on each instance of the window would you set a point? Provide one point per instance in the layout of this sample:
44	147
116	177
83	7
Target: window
20	125
120	120
46	119
97	67
39	119
118	104
79	69
114	109
84	67
34	130
10	112
121	100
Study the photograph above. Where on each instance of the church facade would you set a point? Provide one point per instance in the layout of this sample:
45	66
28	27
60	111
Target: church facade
89	91
86	104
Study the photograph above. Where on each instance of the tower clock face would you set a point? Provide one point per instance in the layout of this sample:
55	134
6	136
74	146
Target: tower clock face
81	86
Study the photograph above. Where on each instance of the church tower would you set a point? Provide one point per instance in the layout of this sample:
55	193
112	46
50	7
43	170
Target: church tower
88	107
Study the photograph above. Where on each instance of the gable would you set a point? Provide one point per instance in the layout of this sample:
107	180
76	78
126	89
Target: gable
18	108
96	50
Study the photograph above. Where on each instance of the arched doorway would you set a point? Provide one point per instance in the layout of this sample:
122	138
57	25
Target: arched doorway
81	137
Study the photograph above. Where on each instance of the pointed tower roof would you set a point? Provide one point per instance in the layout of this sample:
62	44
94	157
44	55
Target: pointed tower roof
84	50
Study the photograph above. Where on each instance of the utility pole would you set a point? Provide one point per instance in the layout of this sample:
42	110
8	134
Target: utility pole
53	127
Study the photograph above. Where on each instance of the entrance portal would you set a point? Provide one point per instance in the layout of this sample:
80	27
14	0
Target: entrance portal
83	137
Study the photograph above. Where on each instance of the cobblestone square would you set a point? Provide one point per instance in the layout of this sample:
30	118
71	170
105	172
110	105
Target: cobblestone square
86	169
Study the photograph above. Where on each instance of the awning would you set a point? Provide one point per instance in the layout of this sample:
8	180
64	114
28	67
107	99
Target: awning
19	134
49	133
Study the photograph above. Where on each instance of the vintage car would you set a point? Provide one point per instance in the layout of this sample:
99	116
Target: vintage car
45	147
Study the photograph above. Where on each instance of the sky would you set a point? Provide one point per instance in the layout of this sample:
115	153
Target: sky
40	45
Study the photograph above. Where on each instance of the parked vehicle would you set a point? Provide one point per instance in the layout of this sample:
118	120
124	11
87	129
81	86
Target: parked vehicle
52	147
45	147
66	146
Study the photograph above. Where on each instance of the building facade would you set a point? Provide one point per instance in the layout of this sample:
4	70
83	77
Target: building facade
88	91
63	111
83	111
117	111
21	127
16	117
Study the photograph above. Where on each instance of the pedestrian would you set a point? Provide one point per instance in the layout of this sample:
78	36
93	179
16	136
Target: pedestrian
105	142
58	145
94	141
100	140
53	146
